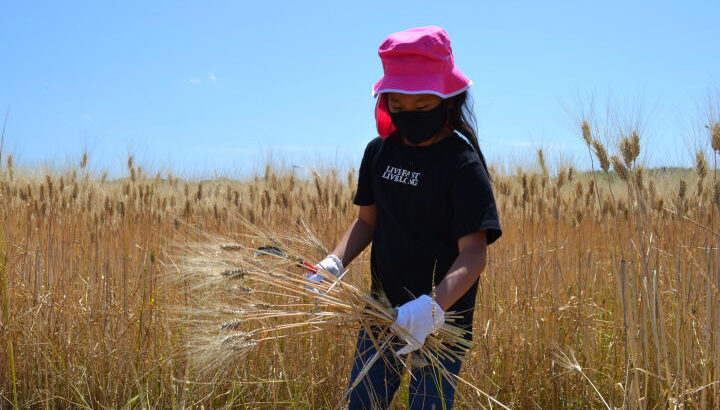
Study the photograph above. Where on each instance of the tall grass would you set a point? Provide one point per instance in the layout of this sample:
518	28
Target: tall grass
6	311
612	274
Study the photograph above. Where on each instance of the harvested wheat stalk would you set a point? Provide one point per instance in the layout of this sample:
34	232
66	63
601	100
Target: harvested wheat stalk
243	299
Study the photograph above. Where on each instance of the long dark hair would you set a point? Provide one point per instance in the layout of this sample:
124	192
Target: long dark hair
461	117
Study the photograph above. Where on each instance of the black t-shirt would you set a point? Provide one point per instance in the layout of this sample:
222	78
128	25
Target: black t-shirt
427	198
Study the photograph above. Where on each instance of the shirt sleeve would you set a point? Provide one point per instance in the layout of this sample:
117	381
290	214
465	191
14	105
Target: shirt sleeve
473	202
364	194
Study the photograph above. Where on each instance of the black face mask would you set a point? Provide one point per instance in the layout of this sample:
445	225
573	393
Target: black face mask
419	126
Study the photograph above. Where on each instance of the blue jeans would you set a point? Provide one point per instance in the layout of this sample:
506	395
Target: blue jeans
427	389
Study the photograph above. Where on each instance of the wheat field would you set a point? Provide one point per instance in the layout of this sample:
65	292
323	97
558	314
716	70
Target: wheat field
602	292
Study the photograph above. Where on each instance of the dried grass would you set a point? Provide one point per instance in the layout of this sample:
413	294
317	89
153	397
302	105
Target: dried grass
623	273
243	298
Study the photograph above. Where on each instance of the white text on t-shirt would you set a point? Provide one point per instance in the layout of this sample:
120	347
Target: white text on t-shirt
400	175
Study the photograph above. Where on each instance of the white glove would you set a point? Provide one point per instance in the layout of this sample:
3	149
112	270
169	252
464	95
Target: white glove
416	320
331	264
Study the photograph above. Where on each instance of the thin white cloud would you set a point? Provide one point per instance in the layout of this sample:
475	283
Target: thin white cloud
212	77
194	80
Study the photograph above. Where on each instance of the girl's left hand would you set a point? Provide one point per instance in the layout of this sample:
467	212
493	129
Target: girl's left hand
416	320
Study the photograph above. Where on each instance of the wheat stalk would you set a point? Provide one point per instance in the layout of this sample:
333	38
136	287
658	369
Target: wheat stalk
244	299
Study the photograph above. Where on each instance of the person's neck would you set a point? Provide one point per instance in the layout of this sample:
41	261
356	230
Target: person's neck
439	136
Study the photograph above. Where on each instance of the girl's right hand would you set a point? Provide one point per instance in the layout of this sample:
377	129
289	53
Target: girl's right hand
331	264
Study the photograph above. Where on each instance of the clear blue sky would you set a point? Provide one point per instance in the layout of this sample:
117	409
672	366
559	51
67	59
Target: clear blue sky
202	86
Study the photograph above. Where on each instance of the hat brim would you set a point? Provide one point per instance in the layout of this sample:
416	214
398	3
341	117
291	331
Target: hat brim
443	84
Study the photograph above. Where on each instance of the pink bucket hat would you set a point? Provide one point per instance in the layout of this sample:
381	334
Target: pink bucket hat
416	61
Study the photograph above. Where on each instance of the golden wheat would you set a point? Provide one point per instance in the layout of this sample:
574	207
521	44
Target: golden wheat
616	267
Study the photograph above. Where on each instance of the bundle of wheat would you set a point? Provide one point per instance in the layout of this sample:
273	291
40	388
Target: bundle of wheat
244	295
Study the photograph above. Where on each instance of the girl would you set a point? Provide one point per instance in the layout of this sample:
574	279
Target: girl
427	206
